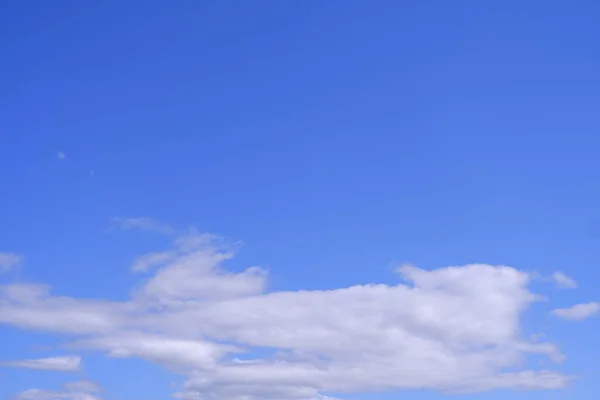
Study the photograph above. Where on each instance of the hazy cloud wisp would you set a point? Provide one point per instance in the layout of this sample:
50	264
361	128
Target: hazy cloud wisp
577	312
143	224
65	364
80	390
564	281
9	261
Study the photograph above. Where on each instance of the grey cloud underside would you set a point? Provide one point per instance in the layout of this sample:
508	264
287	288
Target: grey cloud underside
452	329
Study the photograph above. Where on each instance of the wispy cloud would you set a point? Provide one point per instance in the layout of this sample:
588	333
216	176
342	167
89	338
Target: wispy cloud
9	261
83	386
80	390
64	364
564	281
61	155
151	260
578	312
143	224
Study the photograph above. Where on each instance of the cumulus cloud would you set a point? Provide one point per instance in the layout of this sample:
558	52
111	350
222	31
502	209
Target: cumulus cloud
454	329
194	272
564	281
577	312
9	261
65	364
80	390
143	224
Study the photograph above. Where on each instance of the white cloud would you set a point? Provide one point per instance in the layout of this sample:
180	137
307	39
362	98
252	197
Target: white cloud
162	349
31	306
578	311
143	224
151	260
564	281
80	390
451	329
61	156
65	364
9	261
193	273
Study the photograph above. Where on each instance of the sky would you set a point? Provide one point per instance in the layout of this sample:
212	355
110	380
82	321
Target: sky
299	200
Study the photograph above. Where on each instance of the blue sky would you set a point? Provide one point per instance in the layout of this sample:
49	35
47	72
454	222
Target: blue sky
322	144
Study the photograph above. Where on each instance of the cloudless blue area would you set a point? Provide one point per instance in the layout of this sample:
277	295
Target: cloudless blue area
335	138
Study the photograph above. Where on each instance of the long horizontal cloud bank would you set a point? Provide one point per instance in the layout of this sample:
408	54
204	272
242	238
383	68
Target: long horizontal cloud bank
450	329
